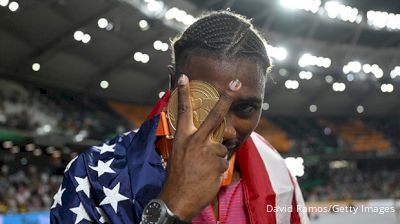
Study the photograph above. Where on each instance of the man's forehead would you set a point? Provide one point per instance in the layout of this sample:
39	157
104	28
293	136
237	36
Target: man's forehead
220	72
213	70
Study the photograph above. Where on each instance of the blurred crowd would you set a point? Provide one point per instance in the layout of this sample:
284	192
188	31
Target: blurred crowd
32	189
31	108
351	183
27	190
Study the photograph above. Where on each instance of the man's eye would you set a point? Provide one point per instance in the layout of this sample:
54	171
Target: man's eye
244	109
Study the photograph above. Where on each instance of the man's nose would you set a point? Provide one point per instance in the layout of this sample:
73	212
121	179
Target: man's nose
230	131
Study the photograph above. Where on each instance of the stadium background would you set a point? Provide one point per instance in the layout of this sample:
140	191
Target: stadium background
74	73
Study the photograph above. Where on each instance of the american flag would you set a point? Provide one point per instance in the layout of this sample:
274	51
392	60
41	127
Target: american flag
112	183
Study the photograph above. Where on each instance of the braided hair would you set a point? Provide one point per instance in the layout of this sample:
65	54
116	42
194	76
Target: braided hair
224	35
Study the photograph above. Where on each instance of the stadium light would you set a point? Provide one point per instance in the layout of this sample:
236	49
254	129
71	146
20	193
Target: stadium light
360	109
338	86
387	88
278	53
138	56
377	71
102	23
78	35
81	36
109	26
35	67
313	108
13	6
283	72
352	66
145	58
164	47
308	59
292	84
395	72
380	20
366	68
180	16
171	13
306	5
155	6
160	46
355	66
144	25
86	38
305	75
328	79
336	10
141	57
350	77
265	106
104	84
4	3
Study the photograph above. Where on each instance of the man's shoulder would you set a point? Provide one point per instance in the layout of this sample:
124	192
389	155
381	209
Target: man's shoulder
265	149
263	143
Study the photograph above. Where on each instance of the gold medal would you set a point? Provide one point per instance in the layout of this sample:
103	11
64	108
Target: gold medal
204	97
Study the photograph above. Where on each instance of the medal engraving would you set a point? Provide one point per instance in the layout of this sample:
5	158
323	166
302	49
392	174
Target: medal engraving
203	98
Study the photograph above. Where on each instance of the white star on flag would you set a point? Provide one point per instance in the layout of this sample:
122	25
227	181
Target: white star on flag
103	167
103	217
83	185
105	148
57	197
69	164
113	197
81	213
128	132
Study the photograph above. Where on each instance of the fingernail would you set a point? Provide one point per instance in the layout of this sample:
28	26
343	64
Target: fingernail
183	80
235	85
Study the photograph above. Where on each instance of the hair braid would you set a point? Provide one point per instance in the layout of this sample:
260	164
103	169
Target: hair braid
223	34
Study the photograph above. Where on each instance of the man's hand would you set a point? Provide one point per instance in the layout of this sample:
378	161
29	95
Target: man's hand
197	163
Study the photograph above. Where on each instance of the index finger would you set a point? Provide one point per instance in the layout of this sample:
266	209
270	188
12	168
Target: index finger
221	108
184	113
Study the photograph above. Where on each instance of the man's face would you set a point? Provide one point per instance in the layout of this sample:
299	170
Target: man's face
244	113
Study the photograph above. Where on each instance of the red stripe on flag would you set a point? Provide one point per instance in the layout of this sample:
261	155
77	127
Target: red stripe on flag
160	105
257	188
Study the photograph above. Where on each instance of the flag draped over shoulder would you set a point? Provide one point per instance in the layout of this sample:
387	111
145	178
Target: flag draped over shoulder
112	183
272	195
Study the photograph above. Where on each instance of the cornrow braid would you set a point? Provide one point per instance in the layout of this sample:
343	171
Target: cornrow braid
223	34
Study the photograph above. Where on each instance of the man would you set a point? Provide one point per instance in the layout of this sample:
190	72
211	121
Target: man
124	180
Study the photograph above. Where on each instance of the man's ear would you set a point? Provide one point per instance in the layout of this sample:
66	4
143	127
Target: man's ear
172	77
